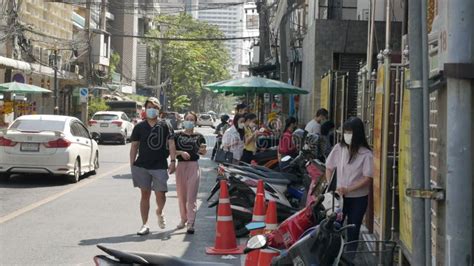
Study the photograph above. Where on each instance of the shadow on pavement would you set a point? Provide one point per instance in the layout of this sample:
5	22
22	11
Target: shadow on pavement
36	180
205	223
125	176
166	235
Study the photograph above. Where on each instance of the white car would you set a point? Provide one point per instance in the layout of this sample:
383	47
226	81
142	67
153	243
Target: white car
112	125
205	120
48	144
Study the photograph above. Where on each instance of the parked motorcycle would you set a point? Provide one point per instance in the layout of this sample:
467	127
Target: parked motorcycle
242	192
321	245
119	257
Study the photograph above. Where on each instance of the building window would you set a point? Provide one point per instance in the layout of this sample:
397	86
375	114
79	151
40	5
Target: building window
252	22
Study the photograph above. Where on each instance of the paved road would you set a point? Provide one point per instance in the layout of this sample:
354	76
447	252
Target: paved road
44	220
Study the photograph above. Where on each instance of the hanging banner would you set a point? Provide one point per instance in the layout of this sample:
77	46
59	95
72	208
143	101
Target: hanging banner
325	92
378	118
404	171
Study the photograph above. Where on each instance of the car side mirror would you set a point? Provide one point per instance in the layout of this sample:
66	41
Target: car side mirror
95	136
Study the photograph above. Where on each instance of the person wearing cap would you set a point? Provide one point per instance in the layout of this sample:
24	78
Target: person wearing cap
153	142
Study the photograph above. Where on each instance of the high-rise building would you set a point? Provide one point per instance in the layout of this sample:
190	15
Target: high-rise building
228	15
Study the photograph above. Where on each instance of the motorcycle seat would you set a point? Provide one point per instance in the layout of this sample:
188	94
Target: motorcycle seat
269	173
276	181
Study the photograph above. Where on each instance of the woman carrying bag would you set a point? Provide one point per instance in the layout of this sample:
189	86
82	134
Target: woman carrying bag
233	139
189	147
353	159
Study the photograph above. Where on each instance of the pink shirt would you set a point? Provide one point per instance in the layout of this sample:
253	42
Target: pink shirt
350	173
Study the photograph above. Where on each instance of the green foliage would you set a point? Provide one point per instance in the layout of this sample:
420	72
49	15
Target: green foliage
113	62
181	102
96	105
137	98
189	64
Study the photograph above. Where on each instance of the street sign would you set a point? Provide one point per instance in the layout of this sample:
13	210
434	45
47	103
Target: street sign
83	93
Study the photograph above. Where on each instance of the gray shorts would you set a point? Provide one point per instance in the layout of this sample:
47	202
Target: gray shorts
150	179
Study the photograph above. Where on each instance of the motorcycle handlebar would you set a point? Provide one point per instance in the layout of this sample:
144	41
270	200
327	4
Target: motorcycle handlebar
345	228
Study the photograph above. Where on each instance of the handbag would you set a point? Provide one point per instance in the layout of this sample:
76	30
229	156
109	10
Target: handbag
223	156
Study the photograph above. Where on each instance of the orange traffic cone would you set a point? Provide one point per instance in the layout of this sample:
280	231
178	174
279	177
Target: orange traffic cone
271	220
258	216
226	242
266	255
258	212
260	187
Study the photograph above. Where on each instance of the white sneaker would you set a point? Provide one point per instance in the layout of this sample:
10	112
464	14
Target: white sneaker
161	221
144	230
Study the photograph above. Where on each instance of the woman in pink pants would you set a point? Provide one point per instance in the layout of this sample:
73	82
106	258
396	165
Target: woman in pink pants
189	146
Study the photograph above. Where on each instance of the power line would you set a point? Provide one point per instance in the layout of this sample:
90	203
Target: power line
185	39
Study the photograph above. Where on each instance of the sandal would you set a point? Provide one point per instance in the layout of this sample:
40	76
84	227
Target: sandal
190	229
181	225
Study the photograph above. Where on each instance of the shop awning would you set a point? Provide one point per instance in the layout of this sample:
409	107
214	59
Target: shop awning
36	68
15	87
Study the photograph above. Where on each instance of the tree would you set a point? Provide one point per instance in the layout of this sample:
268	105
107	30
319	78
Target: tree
181	102
189	64
114	61
97	104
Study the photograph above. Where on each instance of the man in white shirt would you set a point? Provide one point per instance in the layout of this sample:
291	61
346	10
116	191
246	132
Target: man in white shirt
314	126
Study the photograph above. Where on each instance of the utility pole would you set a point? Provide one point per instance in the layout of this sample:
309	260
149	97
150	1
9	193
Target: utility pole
416	131
84	106
458	68
56	87
264	44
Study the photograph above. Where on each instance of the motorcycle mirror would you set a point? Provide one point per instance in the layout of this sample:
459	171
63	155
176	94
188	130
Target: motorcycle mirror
286	158
255	225
257	242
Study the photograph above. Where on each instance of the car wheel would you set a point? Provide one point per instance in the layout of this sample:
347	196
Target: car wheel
4	177
124	139
96	163
77	172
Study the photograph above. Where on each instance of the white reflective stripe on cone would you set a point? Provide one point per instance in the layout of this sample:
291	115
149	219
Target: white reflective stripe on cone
224	218
258	218
226	200
271	227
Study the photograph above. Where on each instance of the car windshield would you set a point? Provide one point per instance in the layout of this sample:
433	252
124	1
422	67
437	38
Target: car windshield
38	125
105	117
206	117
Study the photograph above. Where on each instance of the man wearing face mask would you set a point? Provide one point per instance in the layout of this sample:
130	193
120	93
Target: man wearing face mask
314	126
353	159
153	141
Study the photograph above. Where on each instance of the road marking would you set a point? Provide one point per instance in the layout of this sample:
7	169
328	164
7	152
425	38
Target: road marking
44	201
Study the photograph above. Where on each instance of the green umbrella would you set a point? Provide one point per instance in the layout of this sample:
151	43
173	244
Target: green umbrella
253	85
16	87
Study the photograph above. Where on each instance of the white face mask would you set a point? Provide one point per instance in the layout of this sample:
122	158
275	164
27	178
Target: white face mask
348	138
241	125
